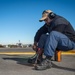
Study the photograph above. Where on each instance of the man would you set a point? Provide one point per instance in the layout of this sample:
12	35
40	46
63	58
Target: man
56	33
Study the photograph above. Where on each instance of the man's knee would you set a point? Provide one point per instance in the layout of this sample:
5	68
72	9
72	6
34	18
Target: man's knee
56	34
43	36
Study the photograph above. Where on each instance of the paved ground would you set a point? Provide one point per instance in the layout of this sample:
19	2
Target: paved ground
17	65
16	50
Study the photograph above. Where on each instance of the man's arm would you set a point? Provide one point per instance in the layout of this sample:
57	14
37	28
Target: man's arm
38	34
41	31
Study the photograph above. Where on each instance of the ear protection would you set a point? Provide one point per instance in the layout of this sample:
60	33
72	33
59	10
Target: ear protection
51	15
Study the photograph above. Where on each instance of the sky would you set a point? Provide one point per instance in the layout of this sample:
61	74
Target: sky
19	19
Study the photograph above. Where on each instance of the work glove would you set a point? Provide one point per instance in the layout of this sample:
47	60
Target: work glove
39	51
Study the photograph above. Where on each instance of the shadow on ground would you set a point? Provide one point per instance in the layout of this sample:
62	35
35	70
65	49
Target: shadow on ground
63	68
24	61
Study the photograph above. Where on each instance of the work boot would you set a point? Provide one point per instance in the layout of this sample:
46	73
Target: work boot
33	59
45	64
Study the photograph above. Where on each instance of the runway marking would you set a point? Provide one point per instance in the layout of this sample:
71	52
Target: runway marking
31	53
18	53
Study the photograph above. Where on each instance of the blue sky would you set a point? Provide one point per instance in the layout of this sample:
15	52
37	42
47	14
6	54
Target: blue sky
19	19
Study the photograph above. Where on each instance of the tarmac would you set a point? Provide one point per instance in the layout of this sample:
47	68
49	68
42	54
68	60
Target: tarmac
15	63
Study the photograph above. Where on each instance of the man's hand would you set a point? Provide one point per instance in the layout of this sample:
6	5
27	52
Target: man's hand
34	47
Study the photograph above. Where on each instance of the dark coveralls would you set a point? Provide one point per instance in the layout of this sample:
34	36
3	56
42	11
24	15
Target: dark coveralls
58	35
